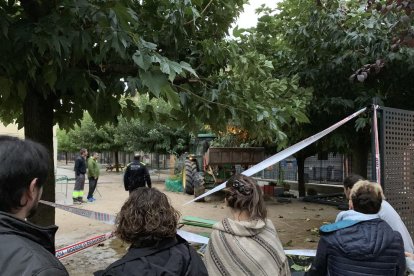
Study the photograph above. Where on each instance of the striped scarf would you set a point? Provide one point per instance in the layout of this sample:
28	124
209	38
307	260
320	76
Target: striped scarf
245	248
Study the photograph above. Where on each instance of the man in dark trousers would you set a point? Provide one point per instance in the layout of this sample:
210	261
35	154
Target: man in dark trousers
136	175
80	171
26	249
93	175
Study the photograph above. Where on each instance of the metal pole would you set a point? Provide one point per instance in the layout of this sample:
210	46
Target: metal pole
373	167
381	133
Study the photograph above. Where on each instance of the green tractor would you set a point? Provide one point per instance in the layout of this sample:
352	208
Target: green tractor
210	166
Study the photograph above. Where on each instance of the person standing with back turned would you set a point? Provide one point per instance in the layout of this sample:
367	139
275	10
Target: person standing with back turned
136	175
26	249
80	171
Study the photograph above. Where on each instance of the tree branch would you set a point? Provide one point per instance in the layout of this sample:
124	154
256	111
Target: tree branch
36	9
205	8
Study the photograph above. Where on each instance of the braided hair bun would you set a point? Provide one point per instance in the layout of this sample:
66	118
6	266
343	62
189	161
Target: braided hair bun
243	193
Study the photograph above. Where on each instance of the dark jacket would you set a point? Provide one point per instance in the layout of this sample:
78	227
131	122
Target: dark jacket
27	249
136	175
172	257
80	165
356	248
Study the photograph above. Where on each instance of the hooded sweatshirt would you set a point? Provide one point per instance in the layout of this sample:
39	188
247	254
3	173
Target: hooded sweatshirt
245	248
360	244
27	249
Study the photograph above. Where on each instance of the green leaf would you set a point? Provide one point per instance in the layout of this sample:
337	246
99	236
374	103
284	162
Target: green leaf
183	98
165	68
172	96
188	68
148	45
297	267
268	64
144	61
5	87
153	81
49	74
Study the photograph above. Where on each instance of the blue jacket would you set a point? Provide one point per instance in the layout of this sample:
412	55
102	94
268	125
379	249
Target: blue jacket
352	247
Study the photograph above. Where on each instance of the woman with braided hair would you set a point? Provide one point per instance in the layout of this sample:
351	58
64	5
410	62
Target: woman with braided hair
247	243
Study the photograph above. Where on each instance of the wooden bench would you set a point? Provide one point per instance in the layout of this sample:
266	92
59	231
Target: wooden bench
110	167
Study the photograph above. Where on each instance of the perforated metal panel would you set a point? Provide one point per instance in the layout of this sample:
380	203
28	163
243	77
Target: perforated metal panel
398	162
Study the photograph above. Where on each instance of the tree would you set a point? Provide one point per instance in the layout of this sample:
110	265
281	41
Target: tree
65	143
324	43
157	133
60	58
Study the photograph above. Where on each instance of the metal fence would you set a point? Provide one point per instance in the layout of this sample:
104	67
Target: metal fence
316	170
397	162
153	160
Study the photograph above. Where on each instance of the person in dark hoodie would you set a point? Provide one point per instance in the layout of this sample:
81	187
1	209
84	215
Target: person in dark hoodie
148	222
26	249
361	244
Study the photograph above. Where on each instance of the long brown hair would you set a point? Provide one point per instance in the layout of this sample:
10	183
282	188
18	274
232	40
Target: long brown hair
147	215
243	193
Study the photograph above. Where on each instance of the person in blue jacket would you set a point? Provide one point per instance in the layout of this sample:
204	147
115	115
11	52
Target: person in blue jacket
386	213
362	243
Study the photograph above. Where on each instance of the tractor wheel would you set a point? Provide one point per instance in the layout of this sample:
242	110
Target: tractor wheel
189	177
199	188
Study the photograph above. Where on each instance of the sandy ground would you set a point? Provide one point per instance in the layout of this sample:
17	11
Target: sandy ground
295	222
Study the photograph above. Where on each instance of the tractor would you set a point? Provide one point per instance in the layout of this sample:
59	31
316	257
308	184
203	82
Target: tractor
210	166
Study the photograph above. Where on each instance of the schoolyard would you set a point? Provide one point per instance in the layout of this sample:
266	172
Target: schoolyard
296	222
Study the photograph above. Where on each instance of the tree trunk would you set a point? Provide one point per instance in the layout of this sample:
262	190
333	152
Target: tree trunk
157	159
359	154
116	161
38	126
66	157
300	159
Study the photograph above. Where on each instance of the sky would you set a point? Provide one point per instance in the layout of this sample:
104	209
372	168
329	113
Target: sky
249	18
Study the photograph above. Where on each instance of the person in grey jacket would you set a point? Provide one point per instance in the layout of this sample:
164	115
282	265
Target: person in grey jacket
26	249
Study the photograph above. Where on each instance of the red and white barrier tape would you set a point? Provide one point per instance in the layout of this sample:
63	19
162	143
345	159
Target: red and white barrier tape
376	141
108	219
79	246
103	217
284	153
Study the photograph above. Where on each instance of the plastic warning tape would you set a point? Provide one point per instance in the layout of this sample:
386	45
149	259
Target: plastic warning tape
103	217
284	153
376	141
79	246
110	219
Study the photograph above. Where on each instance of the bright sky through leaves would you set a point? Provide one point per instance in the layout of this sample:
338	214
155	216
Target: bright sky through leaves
249	17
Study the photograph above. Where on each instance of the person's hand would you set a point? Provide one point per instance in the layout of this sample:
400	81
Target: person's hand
409	255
